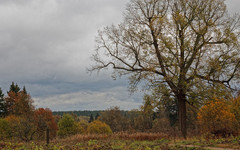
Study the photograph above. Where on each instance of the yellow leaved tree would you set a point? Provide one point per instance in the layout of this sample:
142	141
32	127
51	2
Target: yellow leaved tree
216	117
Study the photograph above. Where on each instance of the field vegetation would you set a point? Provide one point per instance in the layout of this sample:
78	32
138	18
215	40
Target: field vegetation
152	126
186	53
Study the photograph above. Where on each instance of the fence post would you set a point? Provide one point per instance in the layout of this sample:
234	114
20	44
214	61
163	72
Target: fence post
47	136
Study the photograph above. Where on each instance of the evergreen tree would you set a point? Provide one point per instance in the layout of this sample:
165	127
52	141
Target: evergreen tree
18	102
97	116
2	105
24	90
14	88
91	119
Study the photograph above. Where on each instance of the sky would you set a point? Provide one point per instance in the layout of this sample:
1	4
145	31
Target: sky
46	46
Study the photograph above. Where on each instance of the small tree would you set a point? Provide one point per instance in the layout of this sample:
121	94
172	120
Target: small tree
4	129
115	119
147	111
235	107
91	119
216	118
22	127
98	127
3	108
67	126
18	102
82	126
44	119
14	88
97	116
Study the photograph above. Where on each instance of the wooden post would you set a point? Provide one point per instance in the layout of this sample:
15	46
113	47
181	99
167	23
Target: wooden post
47	136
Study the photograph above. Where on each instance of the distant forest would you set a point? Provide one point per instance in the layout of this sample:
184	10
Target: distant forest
84	112
79	113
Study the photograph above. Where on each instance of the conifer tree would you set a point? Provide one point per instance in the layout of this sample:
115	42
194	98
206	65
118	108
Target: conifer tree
97	116
14	88
91	119
2	105
18	102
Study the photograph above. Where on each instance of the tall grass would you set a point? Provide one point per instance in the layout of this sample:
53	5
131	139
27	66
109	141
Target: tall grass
121	136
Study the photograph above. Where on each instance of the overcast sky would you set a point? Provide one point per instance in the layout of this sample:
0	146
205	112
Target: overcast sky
46	45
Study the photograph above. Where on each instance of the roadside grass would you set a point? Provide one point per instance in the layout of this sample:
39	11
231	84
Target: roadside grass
126	141
230	142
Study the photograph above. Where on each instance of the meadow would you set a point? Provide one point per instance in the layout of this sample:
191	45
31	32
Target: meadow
125	141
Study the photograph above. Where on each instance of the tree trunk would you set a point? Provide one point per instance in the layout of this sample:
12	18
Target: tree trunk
182	116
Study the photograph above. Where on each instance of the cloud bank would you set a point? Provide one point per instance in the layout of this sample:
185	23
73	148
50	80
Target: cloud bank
46	46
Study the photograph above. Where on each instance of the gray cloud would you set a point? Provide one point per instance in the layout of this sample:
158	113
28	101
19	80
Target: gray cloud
233	6
46	46
91	100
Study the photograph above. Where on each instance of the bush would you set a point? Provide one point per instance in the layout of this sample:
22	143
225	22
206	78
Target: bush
21	127
115	119
4	128
161	125
44	119
82	126
236	108
98	127
67	126
216	118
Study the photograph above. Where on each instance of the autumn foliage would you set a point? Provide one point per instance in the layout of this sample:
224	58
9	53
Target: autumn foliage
21	120
98	127
44	119
217	118
19	103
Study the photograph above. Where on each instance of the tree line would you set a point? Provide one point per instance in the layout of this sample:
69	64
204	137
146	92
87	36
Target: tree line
79	112
20	119
217	116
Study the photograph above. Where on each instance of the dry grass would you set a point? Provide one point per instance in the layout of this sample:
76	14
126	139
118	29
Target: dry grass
121	135
140	136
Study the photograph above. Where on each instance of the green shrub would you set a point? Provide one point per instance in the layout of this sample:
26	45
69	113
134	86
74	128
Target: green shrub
4	128
161	125
82	126
98	127
67	126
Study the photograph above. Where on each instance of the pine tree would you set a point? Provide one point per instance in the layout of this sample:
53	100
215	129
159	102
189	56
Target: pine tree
91	119
14	88
24	90
2	105
97	116
18	102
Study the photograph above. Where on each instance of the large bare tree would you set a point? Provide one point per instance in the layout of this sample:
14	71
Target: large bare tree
177	44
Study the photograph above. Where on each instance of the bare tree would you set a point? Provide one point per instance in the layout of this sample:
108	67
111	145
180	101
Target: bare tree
177	44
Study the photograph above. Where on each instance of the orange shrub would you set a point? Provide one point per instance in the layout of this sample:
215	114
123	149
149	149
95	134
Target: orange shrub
82	126
98	127
44	119
216	118
21	127
236	108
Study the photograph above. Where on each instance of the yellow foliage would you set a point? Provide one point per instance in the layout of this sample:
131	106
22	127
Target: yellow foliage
216	118
236	108
98	127
82	126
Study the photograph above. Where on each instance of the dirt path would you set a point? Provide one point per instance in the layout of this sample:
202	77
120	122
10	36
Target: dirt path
209	148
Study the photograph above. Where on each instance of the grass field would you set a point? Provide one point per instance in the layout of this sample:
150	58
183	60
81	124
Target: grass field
136	141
